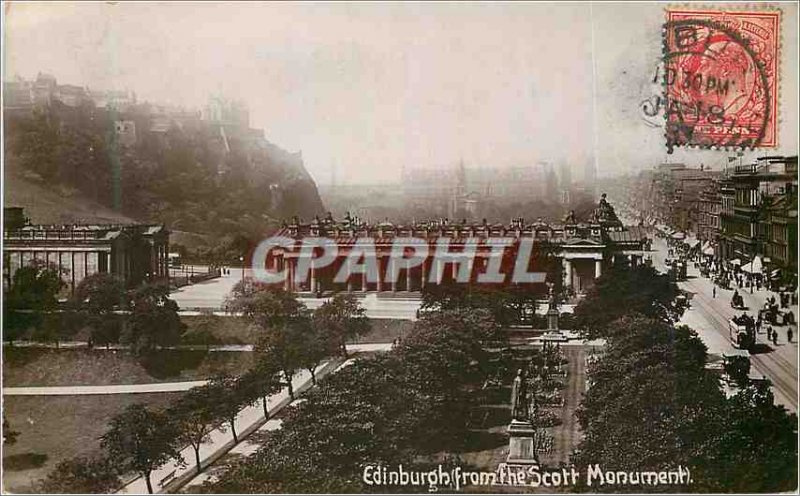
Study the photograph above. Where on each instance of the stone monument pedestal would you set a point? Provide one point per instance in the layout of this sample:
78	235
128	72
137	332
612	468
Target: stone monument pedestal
521	445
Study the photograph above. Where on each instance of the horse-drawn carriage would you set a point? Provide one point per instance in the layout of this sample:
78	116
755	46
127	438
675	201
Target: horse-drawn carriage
737	301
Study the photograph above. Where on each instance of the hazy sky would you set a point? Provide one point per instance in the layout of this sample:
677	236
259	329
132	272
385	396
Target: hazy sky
372	87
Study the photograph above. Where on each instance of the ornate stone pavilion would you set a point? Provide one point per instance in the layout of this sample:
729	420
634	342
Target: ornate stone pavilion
584	248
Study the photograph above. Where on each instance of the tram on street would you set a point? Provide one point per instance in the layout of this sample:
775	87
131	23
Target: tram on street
742	334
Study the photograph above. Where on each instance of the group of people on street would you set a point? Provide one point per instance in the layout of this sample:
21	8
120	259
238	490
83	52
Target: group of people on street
735	278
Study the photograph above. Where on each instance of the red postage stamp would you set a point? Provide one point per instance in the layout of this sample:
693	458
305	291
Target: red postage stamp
720	78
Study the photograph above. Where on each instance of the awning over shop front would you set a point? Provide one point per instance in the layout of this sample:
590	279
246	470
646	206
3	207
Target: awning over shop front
692	242
678	235
708	250
736	261
754	267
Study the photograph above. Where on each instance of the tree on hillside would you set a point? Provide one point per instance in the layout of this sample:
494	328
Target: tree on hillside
195	415
81	475
141	440
95	300
154	320
342	319
33	293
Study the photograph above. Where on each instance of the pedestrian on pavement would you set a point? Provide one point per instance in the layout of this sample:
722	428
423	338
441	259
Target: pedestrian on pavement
769	333
775	338
714	292
789	334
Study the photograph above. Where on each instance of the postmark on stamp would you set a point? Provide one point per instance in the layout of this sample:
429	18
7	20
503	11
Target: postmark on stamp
720	73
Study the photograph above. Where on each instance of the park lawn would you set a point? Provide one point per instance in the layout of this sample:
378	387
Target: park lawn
96	367
56	428
236	330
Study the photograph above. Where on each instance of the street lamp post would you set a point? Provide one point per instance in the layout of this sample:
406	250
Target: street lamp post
241	260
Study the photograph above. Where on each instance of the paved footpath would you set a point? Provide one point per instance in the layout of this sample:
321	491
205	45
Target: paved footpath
709	316
158	387
172	475
163	387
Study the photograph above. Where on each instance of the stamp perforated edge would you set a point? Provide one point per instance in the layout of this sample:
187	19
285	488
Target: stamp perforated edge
731	7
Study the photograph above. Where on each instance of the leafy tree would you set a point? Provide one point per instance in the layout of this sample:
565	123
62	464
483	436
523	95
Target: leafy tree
752	447
9	435
53	328
314	344
510	304
265	306
95	300
154	320
202	332
341	318
624	290
81	475
141	440
33	293
650	391
283	319
387	409
195	414
261	381
228	397
281	345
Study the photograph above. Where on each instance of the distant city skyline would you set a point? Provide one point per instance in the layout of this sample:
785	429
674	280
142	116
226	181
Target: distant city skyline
370	89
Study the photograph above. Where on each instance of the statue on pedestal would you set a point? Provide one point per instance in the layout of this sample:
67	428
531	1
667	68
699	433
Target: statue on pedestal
519	398
521	442
552	308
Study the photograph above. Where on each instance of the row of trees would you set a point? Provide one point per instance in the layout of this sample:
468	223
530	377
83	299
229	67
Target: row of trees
387	409
144	318
140	440
653	405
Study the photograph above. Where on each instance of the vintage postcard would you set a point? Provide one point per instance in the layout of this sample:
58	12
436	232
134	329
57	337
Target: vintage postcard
399	247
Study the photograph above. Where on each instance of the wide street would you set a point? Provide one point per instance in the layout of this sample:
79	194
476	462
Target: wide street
709	316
